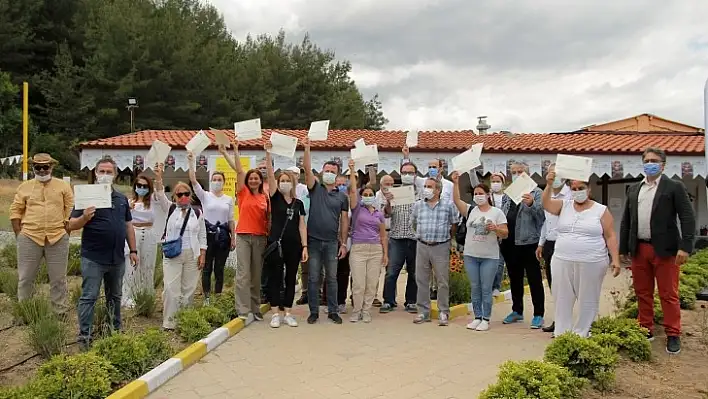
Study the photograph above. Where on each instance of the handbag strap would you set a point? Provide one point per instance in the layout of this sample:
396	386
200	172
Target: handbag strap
287	219
184	224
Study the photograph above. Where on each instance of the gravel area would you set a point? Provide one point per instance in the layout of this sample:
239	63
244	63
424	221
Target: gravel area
8	238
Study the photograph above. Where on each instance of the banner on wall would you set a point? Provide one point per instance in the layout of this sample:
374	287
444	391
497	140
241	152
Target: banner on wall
230	177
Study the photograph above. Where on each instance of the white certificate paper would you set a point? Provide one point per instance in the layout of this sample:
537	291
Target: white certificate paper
318	130
359	143
88	195
248	130
157	154
523	184
412	138
573	167
468	160
283	145
367	155
198	143
402	195
221	138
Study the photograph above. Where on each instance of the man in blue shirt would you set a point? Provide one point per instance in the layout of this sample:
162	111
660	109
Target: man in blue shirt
105	232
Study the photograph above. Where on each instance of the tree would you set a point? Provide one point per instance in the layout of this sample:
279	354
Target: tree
375	118
10	117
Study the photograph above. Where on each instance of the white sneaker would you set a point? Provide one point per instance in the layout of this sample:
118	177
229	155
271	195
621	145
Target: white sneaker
474	324
275	321
290	320
483	326
496	293
355	317
366	317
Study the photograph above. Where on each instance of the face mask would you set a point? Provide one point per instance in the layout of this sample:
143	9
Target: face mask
496	187
44	178
329	178
652	168
104	179
216	186
342	188
514	177
407	179
480	199
433	172
368	201
285	187
580	196
141	191
184	202
557	182
385	189
427	193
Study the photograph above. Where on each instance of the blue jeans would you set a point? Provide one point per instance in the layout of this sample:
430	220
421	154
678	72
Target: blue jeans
481	272
93	273
500	274
400	251
323	255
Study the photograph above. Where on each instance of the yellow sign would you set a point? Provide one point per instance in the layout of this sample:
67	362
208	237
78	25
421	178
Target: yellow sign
230	175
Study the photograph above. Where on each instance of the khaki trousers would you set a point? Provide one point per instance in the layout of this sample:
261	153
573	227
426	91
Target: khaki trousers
56	256
180	280
365	264
249	267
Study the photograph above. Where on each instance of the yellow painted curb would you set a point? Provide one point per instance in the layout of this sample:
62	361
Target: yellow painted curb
137	389
234	326
191	354
265	308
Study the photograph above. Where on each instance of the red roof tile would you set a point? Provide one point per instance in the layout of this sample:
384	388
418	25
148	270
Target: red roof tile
447	141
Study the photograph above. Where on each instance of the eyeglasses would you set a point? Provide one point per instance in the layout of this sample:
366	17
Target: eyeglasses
138	185
42	167
180	195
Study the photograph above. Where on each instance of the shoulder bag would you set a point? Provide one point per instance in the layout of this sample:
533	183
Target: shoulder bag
276	245
173	248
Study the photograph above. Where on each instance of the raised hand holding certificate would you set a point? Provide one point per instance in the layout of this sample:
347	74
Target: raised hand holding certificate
573	167
88	195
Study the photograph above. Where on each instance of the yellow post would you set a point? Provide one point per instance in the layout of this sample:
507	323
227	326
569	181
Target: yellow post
25	128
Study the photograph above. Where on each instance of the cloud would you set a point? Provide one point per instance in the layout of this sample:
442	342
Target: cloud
544	65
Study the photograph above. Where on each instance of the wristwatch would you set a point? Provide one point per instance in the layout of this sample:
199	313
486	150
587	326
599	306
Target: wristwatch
134	252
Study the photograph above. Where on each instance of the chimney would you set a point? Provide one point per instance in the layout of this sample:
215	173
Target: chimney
482	126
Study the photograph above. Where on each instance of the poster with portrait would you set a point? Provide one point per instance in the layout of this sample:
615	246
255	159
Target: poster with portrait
170	162
138	163
545	165
509	163
617	169
686	169
202	161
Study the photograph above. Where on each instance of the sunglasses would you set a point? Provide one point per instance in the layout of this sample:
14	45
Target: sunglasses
42	167
180	195
138	185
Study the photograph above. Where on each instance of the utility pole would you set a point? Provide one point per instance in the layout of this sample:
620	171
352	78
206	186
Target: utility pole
132	104
25	129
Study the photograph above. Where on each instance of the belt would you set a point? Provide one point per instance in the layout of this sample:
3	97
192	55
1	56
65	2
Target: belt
433	244
644	241
142	224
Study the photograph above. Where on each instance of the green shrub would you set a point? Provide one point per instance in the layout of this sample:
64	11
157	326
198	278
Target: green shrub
693	282
47	336
102	324
191	325
159	276
632	338
75	293
158	344
8	256
459	288
73	267
85	376
226	303
42	274
229	276
31	310
631	309
8	282
533	379
687	297
697	271
16	393
126	352
215	317
145	302
584	358
607	340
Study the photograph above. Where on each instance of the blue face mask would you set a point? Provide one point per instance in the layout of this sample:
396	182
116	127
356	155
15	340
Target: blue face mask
433	172
141	191
652	168
342	188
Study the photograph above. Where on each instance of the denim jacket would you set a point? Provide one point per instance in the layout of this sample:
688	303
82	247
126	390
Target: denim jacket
529	220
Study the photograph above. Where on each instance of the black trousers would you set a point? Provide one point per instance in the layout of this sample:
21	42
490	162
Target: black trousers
283	272
343	271
215	260
547	254
521	260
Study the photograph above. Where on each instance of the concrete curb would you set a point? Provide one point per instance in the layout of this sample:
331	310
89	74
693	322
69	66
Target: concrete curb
155	378
463	309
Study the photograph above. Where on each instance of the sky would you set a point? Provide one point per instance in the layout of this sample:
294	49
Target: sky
529	66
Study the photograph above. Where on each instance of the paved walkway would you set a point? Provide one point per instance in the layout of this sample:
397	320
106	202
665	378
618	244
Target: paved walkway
390	358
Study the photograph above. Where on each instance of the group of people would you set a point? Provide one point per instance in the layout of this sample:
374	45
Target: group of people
343	230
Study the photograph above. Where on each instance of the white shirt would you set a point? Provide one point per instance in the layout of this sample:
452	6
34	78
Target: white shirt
580	234
549	231
645	202
301	191
497	199
141	214
215	208
479	242
380	205
194	236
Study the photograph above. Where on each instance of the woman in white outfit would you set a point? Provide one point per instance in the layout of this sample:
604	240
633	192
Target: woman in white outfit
579	264
181	273
140	279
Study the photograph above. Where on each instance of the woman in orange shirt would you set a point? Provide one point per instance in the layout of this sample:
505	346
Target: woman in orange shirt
251	234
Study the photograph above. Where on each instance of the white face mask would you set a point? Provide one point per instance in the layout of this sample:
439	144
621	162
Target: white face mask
216	186
328	178
44	178
104	179
496	187
480	199
368	201
428	193
580	196
285	187
407	179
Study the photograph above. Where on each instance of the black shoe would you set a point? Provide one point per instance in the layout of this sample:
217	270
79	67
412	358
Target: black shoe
302	300
673	345
312	318
264	300
433	295
550	328
376	303
650	337
335	318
